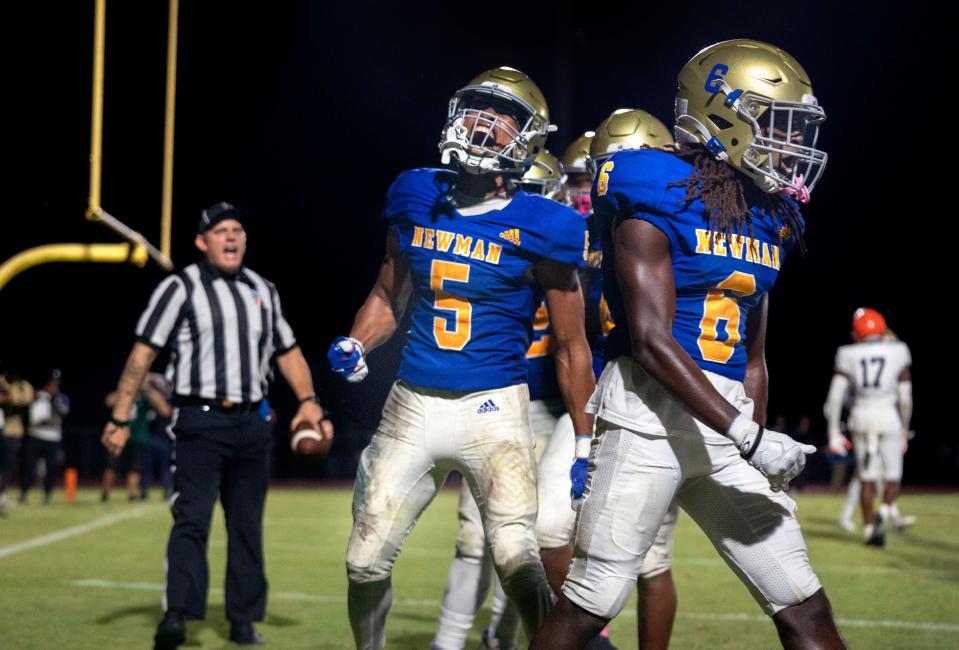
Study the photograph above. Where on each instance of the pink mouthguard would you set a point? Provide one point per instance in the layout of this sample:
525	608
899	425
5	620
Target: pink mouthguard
583	204
802	194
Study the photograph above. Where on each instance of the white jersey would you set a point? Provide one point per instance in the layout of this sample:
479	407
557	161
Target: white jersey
873	369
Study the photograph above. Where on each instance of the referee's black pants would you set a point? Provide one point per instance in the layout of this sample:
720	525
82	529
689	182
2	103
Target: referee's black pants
223	453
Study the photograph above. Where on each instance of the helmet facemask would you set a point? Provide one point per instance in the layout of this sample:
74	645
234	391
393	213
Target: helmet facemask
783	154
503	140
551	188
544	176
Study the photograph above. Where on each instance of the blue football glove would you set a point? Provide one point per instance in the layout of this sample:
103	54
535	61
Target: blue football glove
347	359
577	475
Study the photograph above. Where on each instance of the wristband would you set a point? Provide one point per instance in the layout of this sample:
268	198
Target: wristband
751	445
582	446
119	423
741	429
311	398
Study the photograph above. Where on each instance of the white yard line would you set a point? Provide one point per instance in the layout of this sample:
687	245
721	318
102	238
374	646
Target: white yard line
274	595
411	602
855	569
73	531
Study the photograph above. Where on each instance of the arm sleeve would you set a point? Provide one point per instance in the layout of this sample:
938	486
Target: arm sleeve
905	403
163	313
837	391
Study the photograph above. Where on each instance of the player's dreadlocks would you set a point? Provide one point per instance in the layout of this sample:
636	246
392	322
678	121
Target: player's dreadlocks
729	196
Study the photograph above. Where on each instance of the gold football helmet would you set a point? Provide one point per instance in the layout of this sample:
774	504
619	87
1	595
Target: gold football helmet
496	123
751	104
545	176
578	177
626	128
576	154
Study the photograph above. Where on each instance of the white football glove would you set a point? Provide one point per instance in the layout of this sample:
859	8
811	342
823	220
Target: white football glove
777	456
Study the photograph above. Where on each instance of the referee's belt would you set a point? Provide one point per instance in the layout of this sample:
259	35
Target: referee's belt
223	405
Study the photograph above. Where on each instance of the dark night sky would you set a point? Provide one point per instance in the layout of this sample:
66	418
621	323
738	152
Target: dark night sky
303	113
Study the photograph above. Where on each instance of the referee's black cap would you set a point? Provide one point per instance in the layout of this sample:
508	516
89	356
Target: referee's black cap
217	213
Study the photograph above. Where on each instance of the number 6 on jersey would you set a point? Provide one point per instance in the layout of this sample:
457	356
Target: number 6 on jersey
720	308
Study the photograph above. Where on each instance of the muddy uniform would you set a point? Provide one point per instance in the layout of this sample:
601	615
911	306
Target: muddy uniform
461	401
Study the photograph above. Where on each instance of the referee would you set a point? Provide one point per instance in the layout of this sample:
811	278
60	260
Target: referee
224	325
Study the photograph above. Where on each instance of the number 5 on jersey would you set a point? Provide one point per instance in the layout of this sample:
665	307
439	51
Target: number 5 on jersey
457	337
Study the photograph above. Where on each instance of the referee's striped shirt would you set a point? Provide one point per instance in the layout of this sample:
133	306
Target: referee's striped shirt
223	331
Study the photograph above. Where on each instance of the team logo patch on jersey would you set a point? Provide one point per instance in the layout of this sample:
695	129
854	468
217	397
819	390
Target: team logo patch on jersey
511	235
487	407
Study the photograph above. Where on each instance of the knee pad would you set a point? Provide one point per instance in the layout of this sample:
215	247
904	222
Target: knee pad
658	560
368	563
513	546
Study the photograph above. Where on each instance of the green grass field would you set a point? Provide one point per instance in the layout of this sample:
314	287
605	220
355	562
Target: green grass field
101	587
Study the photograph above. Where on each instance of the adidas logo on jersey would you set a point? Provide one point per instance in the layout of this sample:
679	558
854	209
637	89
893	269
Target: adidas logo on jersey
487	407
511	235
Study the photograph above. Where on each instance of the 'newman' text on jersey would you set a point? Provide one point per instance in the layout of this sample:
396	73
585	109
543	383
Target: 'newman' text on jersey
710	242
471	247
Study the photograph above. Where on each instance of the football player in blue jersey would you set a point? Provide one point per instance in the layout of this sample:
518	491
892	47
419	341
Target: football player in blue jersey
693	238
463	244
469	578
656	600
656	607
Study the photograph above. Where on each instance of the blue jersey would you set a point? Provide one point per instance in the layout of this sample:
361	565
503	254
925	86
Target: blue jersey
472	298
540	363
719	277
598	320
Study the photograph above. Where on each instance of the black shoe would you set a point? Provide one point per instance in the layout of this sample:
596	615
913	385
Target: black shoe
244	634
878	537
104	496
600	643
171	632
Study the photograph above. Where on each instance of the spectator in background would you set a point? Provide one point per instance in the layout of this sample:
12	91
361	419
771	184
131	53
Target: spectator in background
19	397
129	463
159	450
44	436
779	423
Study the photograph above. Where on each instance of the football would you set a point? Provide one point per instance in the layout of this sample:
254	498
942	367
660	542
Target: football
307	441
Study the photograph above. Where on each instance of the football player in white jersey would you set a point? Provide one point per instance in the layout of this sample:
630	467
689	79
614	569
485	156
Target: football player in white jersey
877	371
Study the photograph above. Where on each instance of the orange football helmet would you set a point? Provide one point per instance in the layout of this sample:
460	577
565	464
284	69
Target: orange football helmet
867	323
